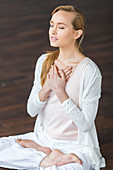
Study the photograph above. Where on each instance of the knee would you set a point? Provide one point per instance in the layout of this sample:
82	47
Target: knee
72	166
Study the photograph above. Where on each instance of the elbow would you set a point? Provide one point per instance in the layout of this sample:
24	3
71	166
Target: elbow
30	111
86	128
31	114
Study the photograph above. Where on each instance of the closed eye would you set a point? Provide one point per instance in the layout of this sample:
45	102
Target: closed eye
59	24
61	27
51	25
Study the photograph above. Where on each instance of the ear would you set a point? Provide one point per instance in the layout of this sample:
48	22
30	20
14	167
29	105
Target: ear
78	33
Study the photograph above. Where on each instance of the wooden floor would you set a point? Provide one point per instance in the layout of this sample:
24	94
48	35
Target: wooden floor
24	37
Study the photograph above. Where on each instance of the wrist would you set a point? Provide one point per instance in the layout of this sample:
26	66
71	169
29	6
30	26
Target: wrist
44	94
62	95
46	90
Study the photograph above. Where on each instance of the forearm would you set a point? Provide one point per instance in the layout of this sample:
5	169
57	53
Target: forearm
35	103
84	118
61	95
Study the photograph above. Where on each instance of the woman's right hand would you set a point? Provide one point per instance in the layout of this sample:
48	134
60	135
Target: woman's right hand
47	83
45	91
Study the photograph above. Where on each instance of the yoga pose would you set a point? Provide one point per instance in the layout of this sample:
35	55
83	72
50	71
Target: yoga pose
64	97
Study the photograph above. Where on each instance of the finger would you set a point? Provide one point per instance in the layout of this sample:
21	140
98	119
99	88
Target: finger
55	72
67	68
67	78
58	71
48	76
62	74
51	71
68	73
55	69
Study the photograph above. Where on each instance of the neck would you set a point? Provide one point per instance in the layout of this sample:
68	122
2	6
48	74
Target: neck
67	55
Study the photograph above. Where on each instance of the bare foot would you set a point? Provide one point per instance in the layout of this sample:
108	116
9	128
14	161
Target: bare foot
58	158
31	144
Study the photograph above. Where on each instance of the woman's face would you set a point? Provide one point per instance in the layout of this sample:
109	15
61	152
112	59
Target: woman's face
61	32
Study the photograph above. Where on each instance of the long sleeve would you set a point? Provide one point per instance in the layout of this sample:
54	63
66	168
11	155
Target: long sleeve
34	105
91	91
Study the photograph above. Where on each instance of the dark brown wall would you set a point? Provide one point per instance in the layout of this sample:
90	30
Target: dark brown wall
24	37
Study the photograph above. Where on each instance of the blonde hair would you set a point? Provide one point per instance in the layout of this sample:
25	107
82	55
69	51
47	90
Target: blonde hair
78	23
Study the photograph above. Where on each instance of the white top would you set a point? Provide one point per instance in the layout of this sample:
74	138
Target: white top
83	117
57	123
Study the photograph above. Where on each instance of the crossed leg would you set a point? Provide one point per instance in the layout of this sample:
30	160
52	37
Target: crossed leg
58	158
55	157
26	143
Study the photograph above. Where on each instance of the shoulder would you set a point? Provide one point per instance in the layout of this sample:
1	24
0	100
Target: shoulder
40	61
91	75
92	69
42	58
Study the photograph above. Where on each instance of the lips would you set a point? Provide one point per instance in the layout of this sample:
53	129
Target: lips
54	39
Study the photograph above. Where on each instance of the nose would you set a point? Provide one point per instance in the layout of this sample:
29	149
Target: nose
53	30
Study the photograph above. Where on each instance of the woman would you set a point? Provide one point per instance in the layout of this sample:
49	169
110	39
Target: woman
65	96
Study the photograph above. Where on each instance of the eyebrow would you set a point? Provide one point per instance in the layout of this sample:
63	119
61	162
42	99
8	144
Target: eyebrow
59	23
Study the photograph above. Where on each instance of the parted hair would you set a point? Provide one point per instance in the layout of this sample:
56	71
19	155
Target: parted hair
78	23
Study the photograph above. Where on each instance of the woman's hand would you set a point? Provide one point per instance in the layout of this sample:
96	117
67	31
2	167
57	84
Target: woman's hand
56	80
67	71
57	83
47	83
45	91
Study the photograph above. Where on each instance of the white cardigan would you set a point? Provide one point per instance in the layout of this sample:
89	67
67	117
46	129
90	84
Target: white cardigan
83	117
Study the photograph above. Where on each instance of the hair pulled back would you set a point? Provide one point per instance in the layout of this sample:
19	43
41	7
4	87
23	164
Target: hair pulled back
78	23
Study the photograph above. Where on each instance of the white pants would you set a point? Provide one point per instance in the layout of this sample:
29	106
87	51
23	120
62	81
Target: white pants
14	156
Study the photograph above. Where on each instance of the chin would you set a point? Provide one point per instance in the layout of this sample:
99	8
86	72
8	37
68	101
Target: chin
53	44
